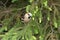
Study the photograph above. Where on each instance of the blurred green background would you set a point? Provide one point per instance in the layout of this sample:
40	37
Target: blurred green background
44	24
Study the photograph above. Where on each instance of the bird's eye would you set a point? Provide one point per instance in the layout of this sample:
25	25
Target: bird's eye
29	17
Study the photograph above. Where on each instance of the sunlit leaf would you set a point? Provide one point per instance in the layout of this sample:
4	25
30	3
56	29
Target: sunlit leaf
31	1
48	16
41	38
28	8
45	3
14	1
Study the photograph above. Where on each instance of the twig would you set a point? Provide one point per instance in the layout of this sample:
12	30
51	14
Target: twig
6	2
48	35
56	4
3	4
10	10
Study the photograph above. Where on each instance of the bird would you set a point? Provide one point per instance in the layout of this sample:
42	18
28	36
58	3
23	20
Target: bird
27	17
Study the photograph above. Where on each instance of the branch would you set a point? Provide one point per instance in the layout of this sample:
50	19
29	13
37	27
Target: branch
10	10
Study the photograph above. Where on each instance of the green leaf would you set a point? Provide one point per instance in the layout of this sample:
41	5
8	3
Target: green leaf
45	3
14	1
55	22
31	1
48	16
33	38
28	8
40	16
41	38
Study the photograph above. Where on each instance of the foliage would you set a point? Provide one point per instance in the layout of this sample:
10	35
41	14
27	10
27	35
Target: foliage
44	25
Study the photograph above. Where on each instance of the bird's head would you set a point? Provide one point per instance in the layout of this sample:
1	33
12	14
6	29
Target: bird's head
26	18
